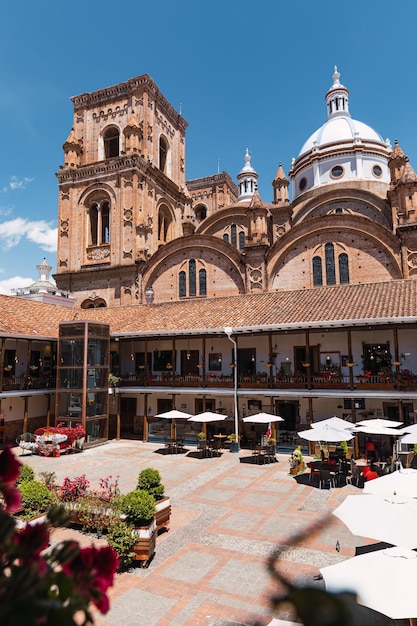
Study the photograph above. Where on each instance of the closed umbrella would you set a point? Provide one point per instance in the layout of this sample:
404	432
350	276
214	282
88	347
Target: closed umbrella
402	482
383	580
392	519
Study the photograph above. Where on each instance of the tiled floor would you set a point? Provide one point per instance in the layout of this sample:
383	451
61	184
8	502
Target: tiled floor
227	517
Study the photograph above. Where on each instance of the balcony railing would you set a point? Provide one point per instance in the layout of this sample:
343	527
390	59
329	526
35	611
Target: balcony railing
12	383
257	381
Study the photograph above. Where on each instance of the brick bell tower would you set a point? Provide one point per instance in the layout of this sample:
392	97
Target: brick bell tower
402	195
122	191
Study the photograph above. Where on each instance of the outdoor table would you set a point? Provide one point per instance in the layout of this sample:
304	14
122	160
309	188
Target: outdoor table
174	445
221	437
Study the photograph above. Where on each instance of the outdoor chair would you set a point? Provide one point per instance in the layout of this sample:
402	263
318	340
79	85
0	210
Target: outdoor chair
26	442
314	470
326	477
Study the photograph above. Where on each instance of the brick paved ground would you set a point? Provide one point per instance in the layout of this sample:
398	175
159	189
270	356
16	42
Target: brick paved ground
227	517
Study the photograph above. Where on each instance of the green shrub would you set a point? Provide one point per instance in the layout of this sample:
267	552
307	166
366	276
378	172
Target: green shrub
149	480
36	498
121	539
138	506
26	473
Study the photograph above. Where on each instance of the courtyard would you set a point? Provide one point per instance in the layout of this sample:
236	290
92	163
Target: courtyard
228	515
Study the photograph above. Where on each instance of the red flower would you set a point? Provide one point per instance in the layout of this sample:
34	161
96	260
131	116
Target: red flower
30	542
93	571
9	472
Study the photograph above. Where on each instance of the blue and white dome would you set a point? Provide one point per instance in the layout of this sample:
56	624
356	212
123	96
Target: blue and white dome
342	149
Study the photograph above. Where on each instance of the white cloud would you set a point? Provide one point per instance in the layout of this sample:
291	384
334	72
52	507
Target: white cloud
39	232
15	282
19	183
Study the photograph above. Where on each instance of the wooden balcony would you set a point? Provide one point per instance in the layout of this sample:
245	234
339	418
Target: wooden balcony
257	381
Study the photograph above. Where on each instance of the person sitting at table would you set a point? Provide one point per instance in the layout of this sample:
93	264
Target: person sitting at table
370	473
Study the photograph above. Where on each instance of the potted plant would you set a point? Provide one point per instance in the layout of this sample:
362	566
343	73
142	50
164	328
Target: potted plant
344	446
201	436
296	461
113	381
149	480
121	539
138	510
37	499
234	441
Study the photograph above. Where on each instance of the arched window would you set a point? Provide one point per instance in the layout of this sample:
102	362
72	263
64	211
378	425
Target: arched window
93	212
111	143
163	152
200	212
99	222
192	279
330	267
182	284
164	224
343	268
97	303
105	223
193	276
233	235
317	271
202	279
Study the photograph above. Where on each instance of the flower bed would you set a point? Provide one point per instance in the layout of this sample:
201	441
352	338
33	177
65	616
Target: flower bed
44	439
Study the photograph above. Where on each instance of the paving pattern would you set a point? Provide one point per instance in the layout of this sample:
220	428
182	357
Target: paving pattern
228	515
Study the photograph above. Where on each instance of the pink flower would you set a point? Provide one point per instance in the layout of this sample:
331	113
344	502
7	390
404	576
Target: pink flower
9	472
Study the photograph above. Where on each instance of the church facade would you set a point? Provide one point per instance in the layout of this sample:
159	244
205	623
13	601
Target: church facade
129	221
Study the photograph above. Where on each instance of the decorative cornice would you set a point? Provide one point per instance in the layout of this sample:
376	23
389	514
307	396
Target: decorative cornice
132	87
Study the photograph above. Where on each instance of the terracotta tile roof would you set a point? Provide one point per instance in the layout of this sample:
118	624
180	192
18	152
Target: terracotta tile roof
353	303
348	304
29	317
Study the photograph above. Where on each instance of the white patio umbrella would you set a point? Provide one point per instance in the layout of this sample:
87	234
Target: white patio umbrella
383	580
336	422
402	482
377	430
326	433
262	418
409	438
392	519
378	422
174	414
207	416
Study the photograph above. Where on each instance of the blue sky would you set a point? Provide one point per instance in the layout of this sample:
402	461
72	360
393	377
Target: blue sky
244	75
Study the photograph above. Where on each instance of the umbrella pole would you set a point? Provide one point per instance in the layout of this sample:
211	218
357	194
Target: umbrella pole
174	430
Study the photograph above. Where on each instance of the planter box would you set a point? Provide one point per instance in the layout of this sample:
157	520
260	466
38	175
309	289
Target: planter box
144	548
21	523
163	514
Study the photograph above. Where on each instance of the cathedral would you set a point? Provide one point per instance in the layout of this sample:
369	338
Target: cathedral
201	295
130	224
